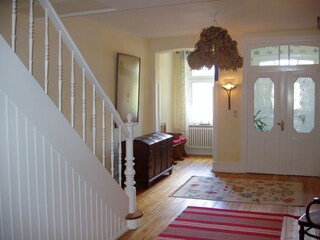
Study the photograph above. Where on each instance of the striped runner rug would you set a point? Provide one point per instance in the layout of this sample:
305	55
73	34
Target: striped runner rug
198	223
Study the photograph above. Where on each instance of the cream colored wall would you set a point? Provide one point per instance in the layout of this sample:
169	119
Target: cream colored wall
228	123
176	123
99	46
166	78
5	17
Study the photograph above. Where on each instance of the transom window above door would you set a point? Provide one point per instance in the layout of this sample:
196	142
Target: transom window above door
284	55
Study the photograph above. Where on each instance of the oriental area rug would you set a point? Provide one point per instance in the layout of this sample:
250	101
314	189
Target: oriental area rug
199	223
243	190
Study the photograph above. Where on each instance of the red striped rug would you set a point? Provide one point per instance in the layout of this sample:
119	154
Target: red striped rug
198	223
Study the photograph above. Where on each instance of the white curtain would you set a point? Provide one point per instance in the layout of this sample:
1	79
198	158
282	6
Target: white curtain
180	90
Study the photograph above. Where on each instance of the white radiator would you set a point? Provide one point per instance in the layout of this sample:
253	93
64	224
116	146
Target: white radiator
200	136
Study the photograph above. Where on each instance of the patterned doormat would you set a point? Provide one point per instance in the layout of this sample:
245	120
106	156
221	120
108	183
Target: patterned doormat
243	190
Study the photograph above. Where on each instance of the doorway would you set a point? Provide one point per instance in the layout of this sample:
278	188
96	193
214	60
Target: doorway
186	101
283	115
283	131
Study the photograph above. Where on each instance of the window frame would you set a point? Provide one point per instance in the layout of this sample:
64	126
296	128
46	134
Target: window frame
198	79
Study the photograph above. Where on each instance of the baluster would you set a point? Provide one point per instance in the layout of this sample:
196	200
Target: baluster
103	135
134	214
60	72
14	24
83	105
72	90
120	156
30	35
46	51
94	119
112	145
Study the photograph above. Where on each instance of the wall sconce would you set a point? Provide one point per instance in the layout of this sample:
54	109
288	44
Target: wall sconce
229	87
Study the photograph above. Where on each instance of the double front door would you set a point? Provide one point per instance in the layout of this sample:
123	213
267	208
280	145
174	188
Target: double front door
283	122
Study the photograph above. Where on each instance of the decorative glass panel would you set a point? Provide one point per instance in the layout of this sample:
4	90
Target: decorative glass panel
263	118
304	55
304	105
265	56
285	55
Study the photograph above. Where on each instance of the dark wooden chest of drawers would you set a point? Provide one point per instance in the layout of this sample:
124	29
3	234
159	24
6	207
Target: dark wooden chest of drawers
153	157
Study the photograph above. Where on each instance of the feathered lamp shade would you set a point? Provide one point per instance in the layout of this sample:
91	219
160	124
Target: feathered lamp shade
215	47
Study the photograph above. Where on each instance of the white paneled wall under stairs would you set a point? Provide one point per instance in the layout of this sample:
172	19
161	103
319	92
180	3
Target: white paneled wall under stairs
52	186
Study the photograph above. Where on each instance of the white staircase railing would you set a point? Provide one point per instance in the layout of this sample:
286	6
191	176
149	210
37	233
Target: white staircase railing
83	85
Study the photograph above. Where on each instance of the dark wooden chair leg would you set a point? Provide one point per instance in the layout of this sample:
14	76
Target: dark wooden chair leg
177	152
301	233
310	220
183	150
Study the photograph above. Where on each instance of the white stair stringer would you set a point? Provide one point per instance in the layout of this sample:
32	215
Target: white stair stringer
51	184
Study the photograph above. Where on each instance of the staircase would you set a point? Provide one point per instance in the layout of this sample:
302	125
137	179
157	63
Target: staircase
60	166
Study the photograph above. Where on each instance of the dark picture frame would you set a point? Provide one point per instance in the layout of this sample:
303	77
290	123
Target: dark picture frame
128	86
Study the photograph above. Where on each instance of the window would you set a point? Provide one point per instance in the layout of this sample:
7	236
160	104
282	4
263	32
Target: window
203	72
200	85
284	55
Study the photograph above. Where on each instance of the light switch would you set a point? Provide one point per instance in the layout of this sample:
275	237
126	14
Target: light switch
235	113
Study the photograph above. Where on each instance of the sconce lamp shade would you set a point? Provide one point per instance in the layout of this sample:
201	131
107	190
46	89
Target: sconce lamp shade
229	87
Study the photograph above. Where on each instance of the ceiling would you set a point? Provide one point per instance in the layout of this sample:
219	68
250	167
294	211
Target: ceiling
169	18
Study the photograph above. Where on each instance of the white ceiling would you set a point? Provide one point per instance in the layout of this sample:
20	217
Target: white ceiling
167	18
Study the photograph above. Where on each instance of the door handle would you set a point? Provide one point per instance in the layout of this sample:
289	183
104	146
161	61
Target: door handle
281	124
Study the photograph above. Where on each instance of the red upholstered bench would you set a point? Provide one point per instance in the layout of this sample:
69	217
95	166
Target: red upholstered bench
178	143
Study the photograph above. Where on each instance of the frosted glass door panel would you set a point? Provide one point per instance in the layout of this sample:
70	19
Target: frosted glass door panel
263	118
304	105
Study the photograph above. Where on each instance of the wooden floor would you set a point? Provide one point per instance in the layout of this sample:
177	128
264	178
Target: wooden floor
160	209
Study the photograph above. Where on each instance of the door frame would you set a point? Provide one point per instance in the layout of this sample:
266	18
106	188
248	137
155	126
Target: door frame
256	41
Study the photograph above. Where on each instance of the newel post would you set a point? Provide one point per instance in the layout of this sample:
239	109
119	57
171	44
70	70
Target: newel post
134	214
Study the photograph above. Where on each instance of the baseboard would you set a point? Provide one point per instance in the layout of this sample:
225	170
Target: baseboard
198	151
232	167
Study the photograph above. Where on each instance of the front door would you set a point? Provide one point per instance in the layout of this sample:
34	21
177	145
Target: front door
283	122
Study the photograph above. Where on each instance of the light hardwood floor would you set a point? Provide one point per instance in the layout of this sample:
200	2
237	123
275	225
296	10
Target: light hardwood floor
160	209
